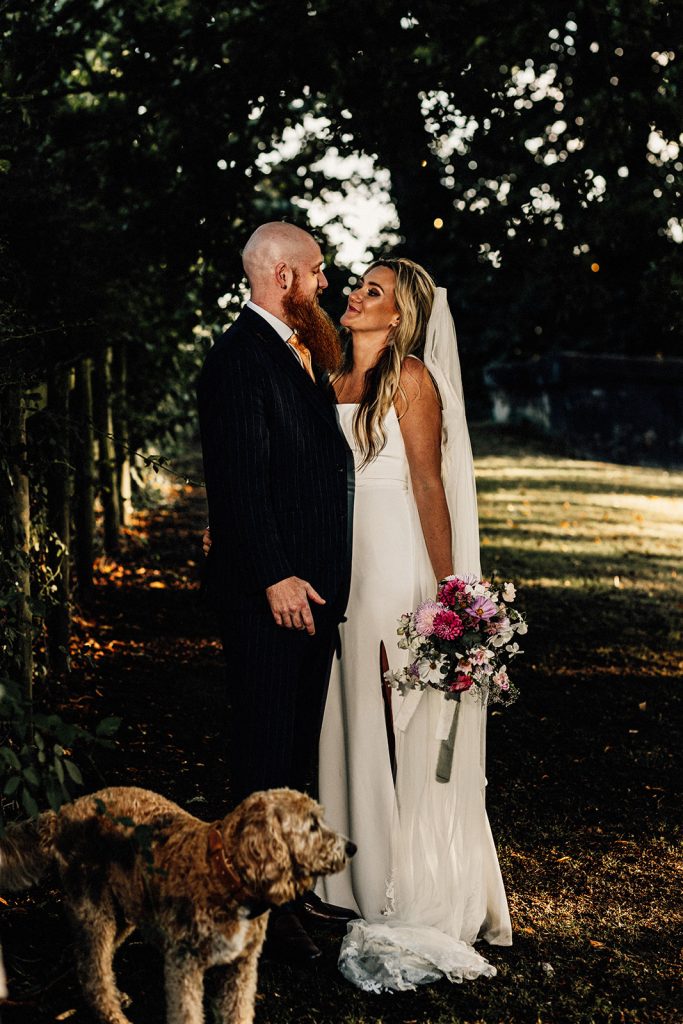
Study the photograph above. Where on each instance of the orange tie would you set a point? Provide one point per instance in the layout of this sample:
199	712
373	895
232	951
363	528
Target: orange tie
303	353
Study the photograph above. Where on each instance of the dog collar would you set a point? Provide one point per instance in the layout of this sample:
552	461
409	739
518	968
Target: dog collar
220	864
219	861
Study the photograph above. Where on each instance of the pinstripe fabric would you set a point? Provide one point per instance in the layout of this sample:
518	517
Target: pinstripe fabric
279	478
277	471
276	711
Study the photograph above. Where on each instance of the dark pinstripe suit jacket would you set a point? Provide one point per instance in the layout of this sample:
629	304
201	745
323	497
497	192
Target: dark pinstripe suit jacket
279	473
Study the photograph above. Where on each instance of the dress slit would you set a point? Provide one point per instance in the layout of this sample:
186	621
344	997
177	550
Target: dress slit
388	714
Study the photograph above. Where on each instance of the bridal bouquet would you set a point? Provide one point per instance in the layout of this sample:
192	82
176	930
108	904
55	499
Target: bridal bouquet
464	638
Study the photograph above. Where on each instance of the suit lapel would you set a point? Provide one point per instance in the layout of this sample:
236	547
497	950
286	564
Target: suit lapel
316	394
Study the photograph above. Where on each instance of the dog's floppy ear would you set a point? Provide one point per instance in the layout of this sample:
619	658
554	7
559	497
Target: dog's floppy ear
259	851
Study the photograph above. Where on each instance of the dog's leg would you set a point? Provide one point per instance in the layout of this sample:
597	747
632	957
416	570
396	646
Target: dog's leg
234	1001
122	933
184	975
95	930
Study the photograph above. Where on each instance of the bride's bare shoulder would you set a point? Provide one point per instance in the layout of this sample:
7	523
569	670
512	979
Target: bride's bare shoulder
412	376
416	384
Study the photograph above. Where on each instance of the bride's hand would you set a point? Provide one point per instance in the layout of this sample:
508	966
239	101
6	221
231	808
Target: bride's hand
288	602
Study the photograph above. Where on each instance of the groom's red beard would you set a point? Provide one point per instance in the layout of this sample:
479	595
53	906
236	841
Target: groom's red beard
314	327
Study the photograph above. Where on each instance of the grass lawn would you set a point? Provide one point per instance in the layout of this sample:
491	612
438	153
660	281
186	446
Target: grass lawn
582	770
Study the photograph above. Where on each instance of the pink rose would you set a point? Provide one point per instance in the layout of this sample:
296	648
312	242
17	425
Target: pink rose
461	683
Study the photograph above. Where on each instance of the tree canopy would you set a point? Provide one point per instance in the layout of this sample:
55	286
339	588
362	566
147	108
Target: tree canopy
533	153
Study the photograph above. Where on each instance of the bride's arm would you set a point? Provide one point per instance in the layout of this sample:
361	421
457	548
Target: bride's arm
420	420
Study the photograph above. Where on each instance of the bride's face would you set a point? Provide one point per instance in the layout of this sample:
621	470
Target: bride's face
372	305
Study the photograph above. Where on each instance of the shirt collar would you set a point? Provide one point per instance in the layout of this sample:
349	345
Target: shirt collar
280	326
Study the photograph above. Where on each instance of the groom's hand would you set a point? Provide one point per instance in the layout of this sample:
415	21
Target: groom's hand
289	603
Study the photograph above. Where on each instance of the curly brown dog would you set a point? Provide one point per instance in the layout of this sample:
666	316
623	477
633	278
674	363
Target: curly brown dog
127	857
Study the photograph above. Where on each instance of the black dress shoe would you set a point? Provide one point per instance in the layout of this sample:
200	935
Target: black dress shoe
288	943
312	908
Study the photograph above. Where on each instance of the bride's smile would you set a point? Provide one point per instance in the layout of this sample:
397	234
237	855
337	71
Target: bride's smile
371	306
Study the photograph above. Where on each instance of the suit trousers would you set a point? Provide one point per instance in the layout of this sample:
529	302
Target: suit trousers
277	682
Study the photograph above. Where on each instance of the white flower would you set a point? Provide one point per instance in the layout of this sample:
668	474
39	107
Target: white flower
430	670
513	649
509	592
522	628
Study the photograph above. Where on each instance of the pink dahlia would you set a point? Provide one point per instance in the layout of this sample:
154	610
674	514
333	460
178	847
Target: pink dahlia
450	590
424	617
448	625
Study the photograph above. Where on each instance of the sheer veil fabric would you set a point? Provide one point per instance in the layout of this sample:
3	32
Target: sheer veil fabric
442	884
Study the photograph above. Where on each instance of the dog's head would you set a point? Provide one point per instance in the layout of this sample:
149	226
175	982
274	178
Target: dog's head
279	844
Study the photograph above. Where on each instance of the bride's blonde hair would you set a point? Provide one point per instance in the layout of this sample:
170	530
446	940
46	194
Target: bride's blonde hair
414	292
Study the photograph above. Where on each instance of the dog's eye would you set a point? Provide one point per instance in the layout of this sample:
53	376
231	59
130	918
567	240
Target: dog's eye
315	825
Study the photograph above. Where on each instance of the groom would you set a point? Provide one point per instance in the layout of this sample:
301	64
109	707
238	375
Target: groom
279	478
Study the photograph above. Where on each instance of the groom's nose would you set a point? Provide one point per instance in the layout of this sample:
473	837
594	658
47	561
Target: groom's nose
322	281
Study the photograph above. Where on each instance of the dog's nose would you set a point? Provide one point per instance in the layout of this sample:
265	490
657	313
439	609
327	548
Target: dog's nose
350	848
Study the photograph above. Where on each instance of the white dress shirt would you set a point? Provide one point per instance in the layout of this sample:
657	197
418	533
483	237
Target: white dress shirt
278	325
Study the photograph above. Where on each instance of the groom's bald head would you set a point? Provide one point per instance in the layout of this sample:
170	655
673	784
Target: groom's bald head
277	243
285	269
278	258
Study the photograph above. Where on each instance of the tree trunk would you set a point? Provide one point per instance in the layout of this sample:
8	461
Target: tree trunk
122	433
109	489
57	614
17	522
84	504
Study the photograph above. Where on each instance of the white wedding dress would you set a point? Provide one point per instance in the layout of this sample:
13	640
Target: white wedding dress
425	880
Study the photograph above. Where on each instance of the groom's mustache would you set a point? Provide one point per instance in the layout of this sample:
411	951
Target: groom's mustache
314	327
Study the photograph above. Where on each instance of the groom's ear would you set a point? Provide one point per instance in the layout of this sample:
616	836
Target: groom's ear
283	275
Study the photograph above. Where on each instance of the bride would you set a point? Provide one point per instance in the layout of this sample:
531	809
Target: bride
426	879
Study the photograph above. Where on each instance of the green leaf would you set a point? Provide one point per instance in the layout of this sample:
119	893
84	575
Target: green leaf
108	726
30	806
12	785
10	757
31	776
74	771
53	793
65	733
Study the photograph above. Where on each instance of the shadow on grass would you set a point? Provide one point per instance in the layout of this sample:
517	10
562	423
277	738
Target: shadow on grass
582	771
